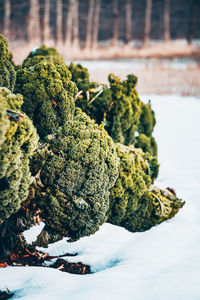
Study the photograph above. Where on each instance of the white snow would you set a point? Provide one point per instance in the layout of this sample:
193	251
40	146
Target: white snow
162	263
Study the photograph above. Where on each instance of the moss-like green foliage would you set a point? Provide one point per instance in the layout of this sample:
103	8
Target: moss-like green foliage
147	119
133	181
146	143
51	55
80	75
78	171
155	206
18	141
7	70
123	117
118	106
134	204
4	122
48	95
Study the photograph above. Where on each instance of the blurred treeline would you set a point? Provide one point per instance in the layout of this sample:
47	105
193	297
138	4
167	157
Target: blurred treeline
88	23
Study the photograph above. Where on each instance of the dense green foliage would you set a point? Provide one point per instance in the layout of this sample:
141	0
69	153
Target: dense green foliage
155	206
146	143
76	178
48	95
78	170
134	203
18	141
7	70
124	114
133	181
51	55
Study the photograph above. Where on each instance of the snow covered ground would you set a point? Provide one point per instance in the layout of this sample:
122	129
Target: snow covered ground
160	264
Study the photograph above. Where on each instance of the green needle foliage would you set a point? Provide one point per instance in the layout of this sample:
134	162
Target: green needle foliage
7	69
134	203
18	140
78	171
48	95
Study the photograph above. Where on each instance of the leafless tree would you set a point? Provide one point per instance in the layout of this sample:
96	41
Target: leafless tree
96	24
72	25
75	42
47	36
59	33
195	8
115	23
147	26
88	41
167	21
34	23
69	23
128	22
6	29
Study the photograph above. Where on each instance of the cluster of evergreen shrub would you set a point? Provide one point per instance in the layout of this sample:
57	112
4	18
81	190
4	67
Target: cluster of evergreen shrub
93	158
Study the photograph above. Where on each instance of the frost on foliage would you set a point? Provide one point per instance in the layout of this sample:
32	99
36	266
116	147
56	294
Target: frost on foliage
18	140
134	203
7	70
48	95
77	174
118	106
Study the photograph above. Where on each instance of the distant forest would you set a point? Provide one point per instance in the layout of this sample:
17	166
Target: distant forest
91	22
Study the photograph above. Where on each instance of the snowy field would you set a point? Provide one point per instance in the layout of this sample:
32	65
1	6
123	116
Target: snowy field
160	264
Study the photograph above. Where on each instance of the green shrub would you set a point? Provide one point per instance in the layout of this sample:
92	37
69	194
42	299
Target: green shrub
124	114
51	55
48	95
78	171
134	203
18	141
7	69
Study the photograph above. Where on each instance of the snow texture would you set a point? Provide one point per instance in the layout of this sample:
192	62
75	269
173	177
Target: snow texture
162	263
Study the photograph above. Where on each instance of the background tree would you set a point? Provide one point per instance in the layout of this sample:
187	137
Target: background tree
115	22
68	36
167	21
88	41
47	36
6	27
128	22
59	32
96	24
195	7
147	27
75	13
34	23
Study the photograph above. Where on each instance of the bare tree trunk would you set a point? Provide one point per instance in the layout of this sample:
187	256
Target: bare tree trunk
69	23
167	21
147	28
75	43
88	41
193	21
34	23
128	22
47	36
7	19
96	24
59	35
115	23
